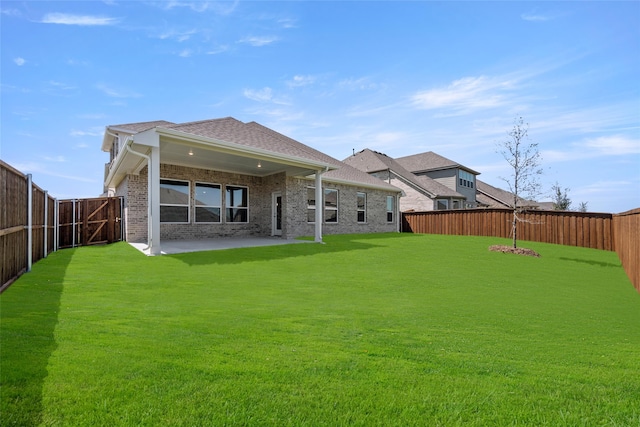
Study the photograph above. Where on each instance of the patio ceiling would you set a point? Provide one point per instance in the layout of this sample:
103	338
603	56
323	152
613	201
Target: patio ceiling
210	156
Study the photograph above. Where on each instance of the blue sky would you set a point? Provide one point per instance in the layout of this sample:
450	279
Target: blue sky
397	77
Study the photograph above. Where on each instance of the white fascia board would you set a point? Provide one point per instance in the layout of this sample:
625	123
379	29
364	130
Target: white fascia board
357	184
239	149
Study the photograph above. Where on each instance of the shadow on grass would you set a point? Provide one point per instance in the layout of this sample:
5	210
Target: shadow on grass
332	244
28	318
591	262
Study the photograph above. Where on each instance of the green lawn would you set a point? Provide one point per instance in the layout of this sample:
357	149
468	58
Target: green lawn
392	329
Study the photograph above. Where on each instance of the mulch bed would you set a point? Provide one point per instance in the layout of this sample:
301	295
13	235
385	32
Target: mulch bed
511	250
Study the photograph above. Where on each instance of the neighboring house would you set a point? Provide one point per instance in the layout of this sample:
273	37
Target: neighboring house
455	176
420	193
223	177
493	197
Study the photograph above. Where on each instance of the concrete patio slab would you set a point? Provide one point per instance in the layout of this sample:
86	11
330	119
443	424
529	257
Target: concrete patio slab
180	246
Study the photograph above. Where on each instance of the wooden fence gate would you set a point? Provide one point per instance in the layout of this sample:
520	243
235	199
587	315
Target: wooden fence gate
89	221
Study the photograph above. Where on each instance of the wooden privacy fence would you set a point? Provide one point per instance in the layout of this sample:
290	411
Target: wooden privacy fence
27	223
33	224
608	232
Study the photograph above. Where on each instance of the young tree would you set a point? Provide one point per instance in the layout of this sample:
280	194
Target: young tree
583	207
524	159
561	200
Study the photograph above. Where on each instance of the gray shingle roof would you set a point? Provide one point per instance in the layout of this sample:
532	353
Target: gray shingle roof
372	161
498	198
430	161
257	136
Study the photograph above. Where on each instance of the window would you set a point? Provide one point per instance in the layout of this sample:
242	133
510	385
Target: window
208	202
362	207
390	208
442	204
237	204
466	179
311	204
330	205
174	201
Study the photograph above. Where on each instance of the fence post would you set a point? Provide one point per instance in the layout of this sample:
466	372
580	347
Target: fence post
29	222
73	225
56	225
46	224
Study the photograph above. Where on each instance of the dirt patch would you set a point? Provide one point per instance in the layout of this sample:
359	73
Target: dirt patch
511	250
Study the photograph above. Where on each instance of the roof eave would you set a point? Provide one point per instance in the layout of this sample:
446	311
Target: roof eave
236	148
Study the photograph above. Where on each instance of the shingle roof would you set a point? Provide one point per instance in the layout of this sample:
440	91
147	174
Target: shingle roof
497	198
140	127
372	161
429	161
255	135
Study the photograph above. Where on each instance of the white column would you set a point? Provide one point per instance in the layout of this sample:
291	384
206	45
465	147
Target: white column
319	206
154	201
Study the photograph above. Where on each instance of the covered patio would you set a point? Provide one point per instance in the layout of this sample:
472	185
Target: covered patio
181	246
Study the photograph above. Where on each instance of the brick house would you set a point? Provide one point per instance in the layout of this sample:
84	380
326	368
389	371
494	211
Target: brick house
223	177
420	193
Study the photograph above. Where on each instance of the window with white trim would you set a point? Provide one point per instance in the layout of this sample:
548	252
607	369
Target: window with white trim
311	204
390	208
208	202
174	201
361	207
330	205
237	203
442	204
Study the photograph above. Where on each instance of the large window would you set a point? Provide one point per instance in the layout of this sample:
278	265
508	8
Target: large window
174	201
208	202
361	207
390	209
237	204
311	204
330	205
442	204
466	179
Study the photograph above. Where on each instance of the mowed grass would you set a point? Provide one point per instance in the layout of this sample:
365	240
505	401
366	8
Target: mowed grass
369	330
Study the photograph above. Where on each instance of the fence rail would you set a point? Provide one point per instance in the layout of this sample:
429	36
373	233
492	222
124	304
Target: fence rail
608	232
30	227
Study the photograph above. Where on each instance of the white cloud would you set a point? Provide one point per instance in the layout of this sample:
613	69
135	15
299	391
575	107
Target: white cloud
55	159
180	36
35	167
261	95
298	81
468	93
362	83
614	145
91	132
83	20
535	17
19	61
185	53
222	8
259	41
117	93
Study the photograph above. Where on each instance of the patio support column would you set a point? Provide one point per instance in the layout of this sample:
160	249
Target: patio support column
319	206
154	201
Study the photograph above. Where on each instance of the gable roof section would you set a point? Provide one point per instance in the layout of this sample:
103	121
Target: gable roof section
430	161
258	138
372	161
128	129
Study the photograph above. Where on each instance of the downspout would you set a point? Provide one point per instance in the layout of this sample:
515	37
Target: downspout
127	147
